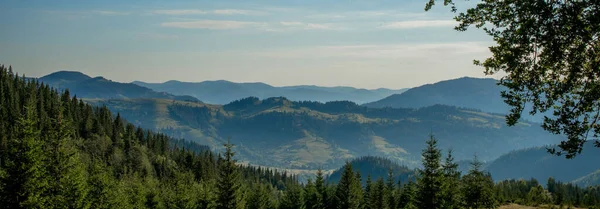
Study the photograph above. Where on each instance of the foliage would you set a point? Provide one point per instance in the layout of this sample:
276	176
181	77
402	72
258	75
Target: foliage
549	51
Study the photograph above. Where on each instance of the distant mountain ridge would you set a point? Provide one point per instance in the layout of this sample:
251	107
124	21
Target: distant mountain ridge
84	86
223	92
483	94
302	135
537	163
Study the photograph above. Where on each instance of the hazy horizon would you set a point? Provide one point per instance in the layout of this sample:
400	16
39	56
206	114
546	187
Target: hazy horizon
362	44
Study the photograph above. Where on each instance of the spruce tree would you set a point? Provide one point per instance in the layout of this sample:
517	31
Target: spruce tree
312	195
379	200
367	194
229	185
349	192
390	190
323	197
26	179
478	187
407	199
430	178
293	198
451	186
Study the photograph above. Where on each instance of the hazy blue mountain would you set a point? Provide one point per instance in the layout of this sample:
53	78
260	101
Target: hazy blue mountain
539	164
84	86
592	179
282	133
376	167
223	92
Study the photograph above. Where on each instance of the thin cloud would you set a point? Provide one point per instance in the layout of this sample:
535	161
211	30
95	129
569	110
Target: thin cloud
419	24
306	26
392	51
179	12
212	24
204	12
110	13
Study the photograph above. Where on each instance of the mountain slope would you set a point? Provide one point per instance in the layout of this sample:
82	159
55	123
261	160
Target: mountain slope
477	93
223	92
84	86
279	132
539	164
376	167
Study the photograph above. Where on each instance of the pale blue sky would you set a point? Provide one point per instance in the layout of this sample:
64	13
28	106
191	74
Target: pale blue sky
360	43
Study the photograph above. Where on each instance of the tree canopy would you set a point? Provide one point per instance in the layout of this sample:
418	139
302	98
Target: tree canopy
550	52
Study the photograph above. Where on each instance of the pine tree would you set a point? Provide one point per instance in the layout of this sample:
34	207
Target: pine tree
312	195
25	180
259	197
293	198
367	194
378	196
451	186
390	190
407	199
322	202
478	187
229	185
430	178
348	194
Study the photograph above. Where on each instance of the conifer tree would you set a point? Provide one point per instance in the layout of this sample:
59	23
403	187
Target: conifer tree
478	187
451	186
311	195
323	197
293	198
379	200
229	185
349	192
25	180
430	178
367	194
407	199
259	197
390	190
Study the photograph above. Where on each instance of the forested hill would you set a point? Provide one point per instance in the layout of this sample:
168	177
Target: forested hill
84	86
376	168
223	92
537	163
282	133
59	152
483	94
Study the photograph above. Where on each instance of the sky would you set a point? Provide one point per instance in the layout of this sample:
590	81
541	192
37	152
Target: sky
360	43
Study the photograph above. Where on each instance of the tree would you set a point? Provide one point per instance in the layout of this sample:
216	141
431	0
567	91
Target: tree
367	198
25	178
450	187
322	197
348	194
549	51
229	185
390	190
312	197
478	187
430	178
293	198
407	197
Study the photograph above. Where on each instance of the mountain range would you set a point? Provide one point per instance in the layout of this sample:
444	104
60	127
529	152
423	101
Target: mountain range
223	92
280	132
482	94
283	133
84	86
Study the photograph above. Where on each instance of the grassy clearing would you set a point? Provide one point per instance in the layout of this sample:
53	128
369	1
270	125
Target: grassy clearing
515	206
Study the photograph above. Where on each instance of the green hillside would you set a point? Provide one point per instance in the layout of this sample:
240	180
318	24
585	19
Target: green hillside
279	132
539	164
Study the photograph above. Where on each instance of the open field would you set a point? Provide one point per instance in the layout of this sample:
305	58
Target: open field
515	206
